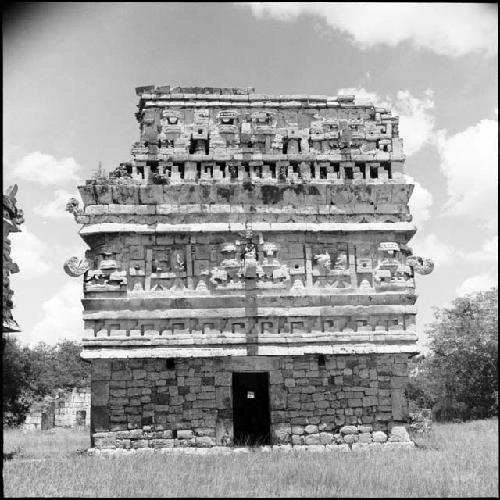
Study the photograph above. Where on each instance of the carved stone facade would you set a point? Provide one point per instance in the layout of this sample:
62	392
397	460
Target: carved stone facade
249	234
12	219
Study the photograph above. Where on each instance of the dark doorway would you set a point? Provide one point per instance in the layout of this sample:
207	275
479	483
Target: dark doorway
80	417
251	409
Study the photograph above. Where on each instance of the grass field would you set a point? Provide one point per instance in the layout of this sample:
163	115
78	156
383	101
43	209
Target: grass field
459	460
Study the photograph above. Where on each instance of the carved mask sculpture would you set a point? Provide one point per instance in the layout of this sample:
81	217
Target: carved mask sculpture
76	266
420	265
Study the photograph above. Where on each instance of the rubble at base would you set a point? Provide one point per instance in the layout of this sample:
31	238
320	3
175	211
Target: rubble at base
351	438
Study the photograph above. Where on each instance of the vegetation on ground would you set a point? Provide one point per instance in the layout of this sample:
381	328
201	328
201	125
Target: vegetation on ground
457	460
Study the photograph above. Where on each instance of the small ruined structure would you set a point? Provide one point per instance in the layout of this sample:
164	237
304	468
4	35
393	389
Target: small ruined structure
65	409
12	219
249	278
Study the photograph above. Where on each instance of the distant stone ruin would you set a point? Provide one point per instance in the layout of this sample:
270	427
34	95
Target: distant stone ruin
66	409
249	279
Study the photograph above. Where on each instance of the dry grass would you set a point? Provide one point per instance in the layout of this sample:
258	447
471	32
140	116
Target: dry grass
459	460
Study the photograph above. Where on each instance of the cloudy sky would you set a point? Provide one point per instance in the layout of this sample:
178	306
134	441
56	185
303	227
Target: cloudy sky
68	93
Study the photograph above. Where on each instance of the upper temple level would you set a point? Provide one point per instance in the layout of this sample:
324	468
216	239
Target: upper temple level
227	155
272	135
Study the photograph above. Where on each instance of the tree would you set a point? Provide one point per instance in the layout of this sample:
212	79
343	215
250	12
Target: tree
460	376
30	374
71	369
57	367
14	381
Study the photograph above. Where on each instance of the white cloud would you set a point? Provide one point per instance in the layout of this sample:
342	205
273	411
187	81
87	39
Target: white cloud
431	247
31	254
487	253
62	315
469	161
420	202
57	207
46	170
478	283
444	254
453	29
416	123
36	257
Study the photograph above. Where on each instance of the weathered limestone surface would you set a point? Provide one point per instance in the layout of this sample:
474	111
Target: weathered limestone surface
253	233
66	409
143	403
12	219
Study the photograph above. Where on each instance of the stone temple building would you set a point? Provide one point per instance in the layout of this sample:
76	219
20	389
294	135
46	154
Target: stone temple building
12	219
249	278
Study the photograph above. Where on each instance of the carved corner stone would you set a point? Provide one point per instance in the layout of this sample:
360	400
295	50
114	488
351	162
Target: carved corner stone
420	265
75	266
73	207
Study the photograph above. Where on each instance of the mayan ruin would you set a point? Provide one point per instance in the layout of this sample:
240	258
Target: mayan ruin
12	219
248	278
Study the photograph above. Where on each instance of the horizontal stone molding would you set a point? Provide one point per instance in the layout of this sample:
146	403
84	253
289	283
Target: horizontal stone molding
176	208
308	296
240	312
115	227
207	352
255	102
241	338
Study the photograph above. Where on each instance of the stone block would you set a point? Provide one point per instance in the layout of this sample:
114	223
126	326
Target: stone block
364	437
162	443
282	433
99	418
326	437
223	379
139	443
379	437
349	429
138	374
338	439
312	439
204	441
350	438
355	402
311	429
278	398
101	369
399	434
135	433
365	428
297	429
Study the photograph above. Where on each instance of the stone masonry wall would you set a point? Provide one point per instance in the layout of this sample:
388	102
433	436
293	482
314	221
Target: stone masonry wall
160	403
66	409
73	409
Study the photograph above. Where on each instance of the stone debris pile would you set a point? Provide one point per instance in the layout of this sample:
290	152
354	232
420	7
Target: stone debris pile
350	439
